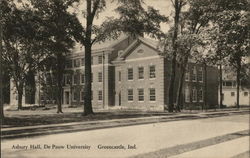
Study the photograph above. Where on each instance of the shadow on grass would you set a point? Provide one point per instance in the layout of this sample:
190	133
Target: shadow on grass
45	119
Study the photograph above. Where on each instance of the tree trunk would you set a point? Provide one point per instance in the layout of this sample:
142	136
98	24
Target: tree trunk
59	82
88	75
221	94
181	80
1	89
238	84
171	87
20	96
88	89
173	62
205	86
70	93
1	70
179	91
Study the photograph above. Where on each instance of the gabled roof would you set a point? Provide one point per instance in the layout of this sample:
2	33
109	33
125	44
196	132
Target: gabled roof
106	47
151	43
99	46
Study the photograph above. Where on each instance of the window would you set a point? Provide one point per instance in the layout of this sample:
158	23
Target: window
130	95
67	79
100	59
68	64
187	94
152	94
228	83
232	94
245	94
140	94
76	78
99	95
200	75
200	95
83	78
130	73
152	71
82	95
83	61
119	76
234	84
99	76
76	63
140	72
187	75
194	74
75	97
64	79
140	51
194	95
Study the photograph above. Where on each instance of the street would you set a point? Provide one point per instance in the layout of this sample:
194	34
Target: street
136	140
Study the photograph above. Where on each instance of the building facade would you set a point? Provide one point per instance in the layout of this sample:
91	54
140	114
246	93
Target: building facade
131	73
229	94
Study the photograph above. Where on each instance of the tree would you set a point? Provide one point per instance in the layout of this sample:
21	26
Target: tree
1	67
245	82
62	30
233	21
93	8
178	5
134	20
186	44
193	22
204	55
220	54
48	81
21	45
219	12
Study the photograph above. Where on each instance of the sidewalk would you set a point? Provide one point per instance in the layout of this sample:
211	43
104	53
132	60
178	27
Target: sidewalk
226	149
27	131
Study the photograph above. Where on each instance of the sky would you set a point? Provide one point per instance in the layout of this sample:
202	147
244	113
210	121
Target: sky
164	6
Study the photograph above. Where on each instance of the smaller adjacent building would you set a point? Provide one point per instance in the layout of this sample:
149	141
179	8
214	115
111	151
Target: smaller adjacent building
229	86
229	91
31	92
200	86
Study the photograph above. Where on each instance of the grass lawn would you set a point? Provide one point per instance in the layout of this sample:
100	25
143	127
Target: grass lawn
42	116
14	118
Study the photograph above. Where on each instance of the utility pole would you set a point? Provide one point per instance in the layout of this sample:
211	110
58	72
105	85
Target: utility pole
1	61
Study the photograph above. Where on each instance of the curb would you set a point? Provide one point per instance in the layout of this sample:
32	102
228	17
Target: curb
30	131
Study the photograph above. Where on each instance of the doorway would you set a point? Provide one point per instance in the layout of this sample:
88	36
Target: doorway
119	99
66	98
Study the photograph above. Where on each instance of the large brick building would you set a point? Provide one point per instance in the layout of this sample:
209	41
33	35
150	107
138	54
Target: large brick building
131	73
